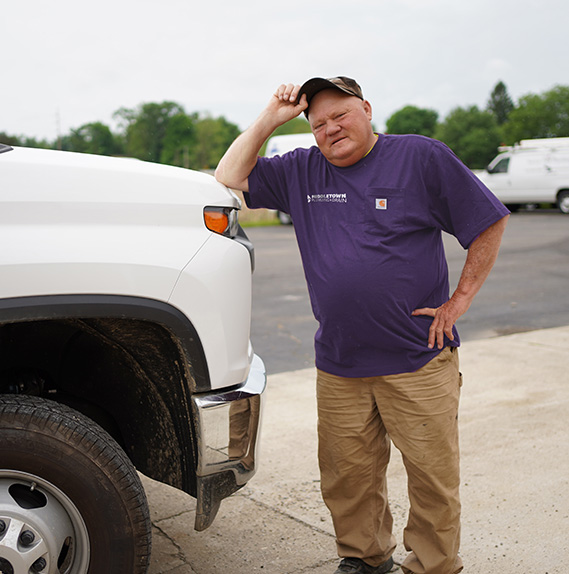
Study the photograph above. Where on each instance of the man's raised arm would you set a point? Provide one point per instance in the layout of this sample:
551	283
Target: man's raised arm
241	157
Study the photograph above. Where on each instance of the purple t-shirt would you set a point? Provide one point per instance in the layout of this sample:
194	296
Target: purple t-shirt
371	244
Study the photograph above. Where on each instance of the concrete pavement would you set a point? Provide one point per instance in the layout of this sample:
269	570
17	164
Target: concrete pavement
514	421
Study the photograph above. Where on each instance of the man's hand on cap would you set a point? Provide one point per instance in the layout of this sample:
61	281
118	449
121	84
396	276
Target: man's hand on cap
284	103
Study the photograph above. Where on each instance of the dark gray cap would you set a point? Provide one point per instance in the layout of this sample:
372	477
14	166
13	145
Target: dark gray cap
314	85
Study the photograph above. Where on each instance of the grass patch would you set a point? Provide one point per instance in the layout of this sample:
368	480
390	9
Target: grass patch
260	223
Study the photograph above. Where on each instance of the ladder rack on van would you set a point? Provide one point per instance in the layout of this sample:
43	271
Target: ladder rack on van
541	143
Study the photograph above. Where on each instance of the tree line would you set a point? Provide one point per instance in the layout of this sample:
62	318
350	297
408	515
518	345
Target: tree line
474	134
165	133
157	132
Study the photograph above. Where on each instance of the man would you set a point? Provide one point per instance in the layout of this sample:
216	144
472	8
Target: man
368	211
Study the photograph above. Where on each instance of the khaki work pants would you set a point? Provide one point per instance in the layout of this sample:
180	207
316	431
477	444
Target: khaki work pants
357	420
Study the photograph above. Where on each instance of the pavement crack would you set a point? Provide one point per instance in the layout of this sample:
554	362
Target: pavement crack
266	506
179	554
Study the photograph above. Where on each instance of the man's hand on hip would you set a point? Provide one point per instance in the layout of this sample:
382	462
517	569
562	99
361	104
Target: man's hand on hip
444	318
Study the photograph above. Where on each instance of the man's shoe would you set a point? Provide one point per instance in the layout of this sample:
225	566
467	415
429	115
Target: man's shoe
358	566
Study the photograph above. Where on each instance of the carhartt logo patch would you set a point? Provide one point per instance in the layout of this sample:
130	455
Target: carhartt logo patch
380	203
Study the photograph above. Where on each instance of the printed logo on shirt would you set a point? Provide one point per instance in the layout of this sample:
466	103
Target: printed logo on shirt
380	203
327	198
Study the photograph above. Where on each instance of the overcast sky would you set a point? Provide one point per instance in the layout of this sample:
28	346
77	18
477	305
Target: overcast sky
70	62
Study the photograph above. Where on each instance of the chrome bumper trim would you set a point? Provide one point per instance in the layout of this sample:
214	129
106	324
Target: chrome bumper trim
227	427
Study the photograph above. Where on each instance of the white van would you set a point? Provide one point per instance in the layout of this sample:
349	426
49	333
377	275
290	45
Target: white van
531	172
277	145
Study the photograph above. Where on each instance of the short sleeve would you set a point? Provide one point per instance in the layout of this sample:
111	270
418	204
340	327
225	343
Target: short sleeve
460	203
267	184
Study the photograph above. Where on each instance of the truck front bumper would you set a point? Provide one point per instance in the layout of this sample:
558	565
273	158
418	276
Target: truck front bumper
227	427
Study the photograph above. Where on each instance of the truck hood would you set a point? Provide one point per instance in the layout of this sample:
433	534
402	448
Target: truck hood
80	223
45	175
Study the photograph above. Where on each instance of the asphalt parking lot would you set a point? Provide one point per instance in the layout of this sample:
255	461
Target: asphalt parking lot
515	476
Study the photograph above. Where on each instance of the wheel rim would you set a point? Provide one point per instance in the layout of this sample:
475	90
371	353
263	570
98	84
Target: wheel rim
564	203
41	529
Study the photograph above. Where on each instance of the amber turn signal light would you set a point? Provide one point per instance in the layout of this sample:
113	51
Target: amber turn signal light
222	220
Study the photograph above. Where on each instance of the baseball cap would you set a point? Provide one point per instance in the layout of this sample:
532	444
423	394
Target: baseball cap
314	85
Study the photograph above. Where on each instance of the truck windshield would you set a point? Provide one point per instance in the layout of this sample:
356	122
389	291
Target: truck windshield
500	167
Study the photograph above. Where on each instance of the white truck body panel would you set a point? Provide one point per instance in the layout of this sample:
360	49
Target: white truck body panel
84	224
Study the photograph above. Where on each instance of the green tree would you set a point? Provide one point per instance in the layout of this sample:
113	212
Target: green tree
95	138
10	139
179	140
23	141
34	142
212	138
539	116
500	104
413	120
145	128
472	134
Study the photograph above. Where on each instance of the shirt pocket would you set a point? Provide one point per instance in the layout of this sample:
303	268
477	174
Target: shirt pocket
384	210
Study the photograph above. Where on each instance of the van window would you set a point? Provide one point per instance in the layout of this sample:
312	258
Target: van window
500	167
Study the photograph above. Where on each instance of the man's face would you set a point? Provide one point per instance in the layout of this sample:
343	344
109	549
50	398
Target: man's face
342	126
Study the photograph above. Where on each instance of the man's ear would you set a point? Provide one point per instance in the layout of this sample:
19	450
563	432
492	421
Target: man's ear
367	108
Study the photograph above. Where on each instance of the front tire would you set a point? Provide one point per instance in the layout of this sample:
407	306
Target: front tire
563	202
70	499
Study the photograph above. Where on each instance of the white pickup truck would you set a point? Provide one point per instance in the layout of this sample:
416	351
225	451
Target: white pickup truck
531	172
125	306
